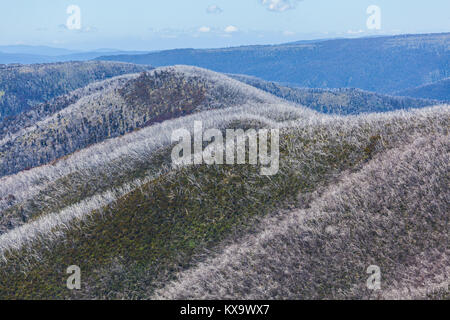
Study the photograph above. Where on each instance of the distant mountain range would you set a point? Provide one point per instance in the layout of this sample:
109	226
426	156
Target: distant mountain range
387	65
380	64
38	50
338	101
84	111
41	54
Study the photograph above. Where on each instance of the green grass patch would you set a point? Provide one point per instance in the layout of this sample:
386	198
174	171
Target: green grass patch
159	228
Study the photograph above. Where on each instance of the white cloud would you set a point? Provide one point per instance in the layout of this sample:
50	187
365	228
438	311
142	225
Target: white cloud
214	9
288	33
280	5
87	29
169	36
204	29
231	29
355	31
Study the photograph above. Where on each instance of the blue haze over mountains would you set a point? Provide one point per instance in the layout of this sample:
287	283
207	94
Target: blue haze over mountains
380	64
394	65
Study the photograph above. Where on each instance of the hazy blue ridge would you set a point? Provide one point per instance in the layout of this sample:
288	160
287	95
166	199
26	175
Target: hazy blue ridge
381	64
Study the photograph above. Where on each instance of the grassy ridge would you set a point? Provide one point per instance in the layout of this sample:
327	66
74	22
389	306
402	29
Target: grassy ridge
392	213
116	107
26	86
129	247
162	224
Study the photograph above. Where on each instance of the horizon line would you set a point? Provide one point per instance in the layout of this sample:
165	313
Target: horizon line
112	50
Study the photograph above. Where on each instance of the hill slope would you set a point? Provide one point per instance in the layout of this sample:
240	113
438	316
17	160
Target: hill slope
350	191
115	107
133	239
22	87
337	101
380	64
438	90
24	58
323	251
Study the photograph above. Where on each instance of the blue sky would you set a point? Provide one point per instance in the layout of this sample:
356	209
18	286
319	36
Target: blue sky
164	24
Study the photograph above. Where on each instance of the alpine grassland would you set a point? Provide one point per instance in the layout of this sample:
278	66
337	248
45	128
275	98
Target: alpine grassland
351	191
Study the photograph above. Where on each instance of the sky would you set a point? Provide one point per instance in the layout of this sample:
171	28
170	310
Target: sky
168	24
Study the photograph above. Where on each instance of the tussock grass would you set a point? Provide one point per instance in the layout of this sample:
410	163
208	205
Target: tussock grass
124	154
346	186
130	244
393	213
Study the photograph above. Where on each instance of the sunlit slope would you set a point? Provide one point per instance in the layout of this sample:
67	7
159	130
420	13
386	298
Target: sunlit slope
393	213
133	239
118	106
24	86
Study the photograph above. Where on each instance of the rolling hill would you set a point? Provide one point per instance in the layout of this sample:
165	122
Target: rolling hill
322	251
437	90
115	107
337	101
351	191
24	86
23	58
36	50
379	64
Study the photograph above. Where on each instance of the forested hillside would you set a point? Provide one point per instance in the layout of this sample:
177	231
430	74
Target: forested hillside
380	64
113	108
23	86
337	101
438	90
